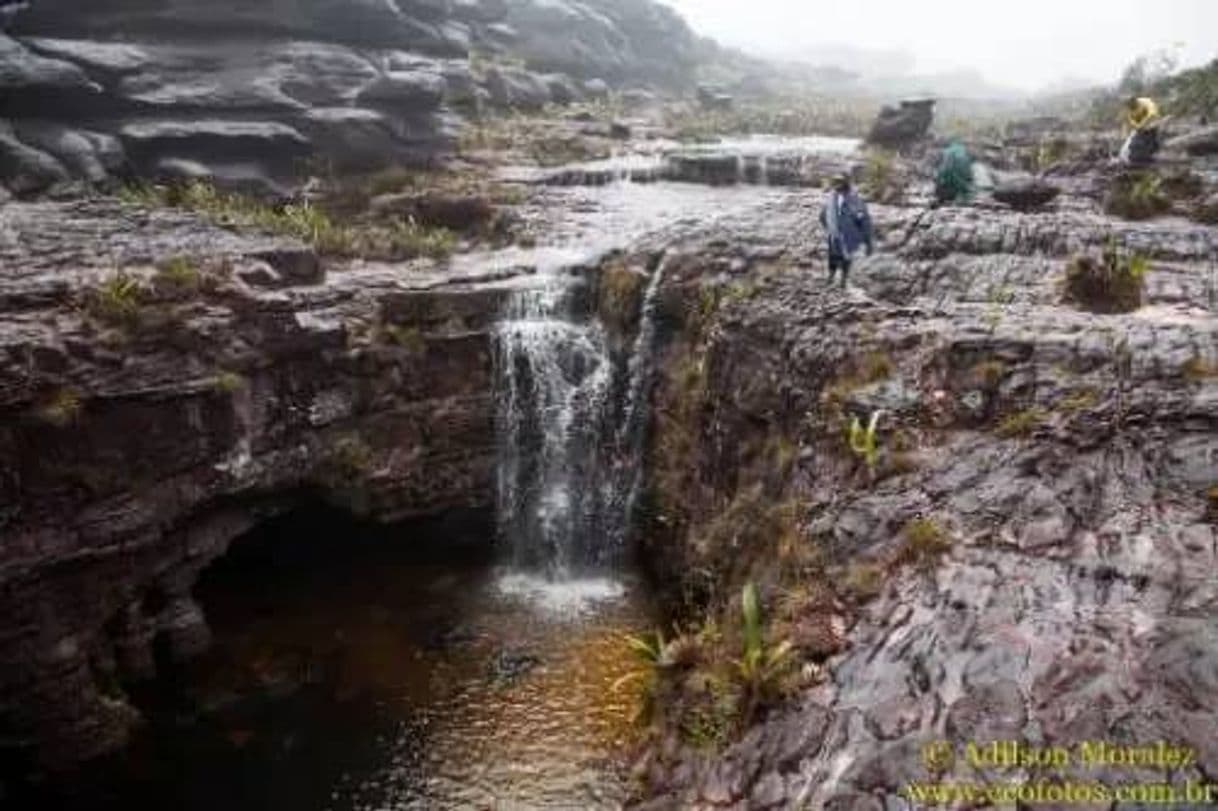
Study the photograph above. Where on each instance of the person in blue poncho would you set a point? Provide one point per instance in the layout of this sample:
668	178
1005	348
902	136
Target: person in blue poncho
847	225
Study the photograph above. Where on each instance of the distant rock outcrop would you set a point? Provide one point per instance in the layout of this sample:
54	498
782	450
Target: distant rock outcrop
1025	193
898	127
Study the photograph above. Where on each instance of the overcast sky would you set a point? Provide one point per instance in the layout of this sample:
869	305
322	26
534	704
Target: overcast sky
1026	44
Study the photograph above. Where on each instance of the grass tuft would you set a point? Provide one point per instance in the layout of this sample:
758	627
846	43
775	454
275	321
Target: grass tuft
1114	282
1021	424
62	409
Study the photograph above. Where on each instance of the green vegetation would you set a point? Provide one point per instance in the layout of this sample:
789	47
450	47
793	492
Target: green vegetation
1180	93
1049	153
62	409
649	651
882	181
1079	401
1020	424
872	367
229	382
863	442
761	666
1111	283
534	138
118	301
863	582
178	277
304	221
1137	196
348	461
411	339
925	542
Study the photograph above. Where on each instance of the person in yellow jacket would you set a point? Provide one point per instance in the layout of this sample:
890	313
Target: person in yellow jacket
1142	125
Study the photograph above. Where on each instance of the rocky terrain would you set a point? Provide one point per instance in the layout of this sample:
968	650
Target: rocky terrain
1030	554
259	96
1024	553
139	441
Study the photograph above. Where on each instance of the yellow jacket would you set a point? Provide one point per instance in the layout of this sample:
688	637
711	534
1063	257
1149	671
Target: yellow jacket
1144	113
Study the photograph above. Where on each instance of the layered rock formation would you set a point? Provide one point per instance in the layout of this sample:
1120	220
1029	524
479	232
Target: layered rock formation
139	437
257	95
1065	460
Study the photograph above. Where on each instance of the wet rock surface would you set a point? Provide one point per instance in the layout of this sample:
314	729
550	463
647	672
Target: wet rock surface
258	95
135	451
1076	600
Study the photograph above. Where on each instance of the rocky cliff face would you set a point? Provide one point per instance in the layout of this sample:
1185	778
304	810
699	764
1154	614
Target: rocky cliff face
257	95
1058	466
139	437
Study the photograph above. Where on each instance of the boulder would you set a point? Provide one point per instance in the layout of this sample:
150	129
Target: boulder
460	87
288	77
622	40
1026	193
352	138
88	156
22	71
711	98
1198	143
112	58
317	73
516	88
241	177
596	89
24	169
261	146
480	11
405	92
459	212
638	98
898	127
562	89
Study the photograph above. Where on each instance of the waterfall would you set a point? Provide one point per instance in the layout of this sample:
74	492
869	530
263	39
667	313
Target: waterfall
632	429
570	428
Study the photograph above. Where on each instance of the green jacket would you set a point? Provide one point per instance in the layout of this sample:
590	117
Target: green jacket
954	178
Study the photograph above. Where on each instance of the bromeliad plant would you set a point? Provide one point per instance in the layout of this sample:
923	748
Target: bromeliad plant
863	441
761	666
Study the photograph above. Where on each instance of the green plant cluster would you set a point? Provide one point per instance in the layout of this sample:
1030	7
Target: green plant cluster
696	681
1113	282
1137	196
404	239
863	441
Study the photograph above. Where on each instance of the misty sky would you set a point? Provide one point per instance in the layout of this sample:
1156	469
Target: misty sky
1026	44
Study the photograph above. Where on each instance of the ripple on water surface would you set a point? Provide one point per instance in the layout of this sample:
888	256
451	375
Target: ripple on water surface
520	712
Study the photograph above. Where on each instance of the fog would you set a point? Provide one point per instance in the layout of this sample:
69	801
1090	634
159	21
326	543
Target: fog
1028	45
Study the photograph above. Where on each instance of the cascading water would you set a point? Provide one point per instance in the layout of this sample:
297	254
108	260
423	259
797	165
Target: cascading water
554	378
632	429
570	429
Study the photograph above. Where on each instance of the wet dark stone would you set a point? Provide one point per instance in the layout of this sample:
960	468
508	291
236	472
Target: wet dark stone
509	666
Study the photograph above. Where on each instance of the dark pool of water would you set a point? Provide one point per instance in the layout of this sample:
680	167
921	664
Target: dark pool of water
354	669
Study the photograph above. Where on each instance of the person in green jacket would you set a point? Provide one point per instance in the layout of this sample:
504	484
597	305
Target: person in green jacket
954	177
